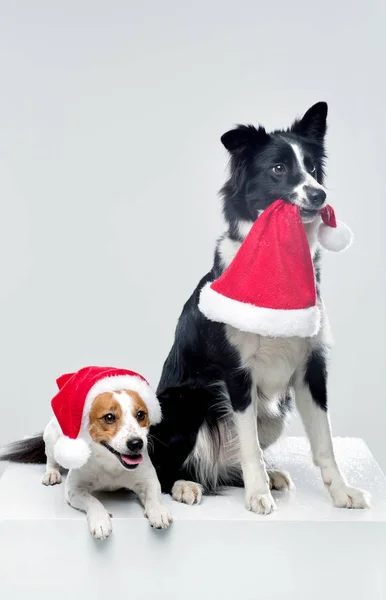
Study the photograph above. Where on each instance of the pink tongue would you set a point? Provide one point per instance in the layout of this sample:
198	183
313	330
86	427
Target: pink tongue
131	460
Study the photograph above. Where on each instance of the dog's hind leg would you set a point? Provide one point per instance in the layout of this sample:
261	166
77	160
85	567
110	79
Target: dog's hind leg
173	440
280	480
187	492
52	475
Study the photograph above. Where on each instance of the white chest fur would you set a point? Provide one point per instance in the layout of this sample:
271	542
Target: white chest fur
271	361
104	472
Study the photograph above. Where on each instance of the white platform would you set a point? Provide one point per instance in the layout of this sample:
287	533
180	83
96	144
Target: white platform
306	550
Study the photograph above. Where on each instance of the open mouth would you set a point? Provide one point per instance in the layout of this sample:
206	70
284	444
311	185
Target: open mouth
308	212
129	461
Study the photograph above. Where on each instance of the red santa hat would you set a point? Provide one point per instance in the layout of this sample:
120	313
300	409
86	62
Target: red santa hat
332	234
269	287
72	405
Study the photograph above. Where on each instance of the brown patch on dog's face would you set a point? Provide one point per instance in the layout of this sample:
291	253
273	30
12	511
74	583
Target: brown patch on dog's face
105	418
140	412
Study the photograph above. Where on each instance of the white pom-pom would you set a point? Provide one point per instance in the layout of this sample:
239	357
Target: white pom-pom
337	238
71	454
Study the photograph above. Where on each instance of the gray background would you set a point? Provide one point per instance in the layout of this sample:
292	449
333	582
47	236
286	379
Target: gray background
110	163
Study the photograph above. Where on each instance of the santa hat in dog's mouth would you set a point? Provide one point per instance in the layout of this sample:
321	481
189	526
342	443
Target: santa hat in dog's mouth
269	287
73	401
332	234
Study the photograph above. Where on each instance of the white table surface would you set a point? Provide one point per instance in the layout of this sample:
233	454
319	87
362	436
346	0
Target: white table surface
216	549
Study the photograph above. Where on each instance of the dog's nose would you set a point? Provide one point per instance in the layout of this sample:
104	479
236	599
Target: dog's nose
135	444
316	196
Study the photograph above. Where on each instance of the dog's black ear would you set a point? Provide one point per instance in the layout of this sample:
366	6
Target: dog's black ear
244	136
314	122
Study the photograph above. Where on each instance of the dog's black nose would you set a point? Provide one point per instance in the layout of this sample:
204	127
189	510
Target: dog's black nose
135	444
316	196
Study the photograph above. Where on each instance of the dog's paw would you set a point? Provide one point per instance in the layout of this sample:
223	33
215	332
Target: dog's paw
280	480
159	517
261	504
51	477
187	492
100	525
350	497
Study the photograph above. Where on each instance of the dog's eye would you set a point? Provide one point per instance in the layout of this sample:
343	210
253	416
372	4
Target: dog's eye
109	418
279	169
140	415
312	169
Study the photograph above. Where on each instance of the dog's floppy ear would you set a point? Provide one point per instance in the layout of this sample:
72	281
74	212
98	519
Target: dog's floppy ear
244	136
314	122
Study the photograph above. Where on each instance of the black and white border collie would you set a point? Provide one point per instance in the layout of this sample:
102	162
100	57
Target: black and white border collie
225	394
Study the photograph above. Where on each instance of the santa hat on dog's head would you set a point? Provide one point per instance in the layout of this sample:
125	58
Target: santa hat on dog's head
269	287
72	404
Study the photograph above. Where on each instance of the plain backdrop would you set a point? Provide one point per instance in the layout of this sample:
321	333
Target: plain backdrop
110	162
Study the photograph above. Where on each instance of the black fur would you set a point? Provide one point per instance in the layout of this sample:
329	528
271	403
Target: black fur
252	186
201	362
29	450
316	377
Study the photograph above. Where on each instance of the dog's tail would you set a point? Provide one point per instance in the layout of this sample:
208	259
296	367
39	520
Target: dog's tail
28	450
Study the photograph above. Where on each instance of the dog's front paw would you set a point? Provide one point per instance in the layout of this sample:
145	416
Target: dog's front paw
187	492
100	525
350	497
262	504
159	517
51	477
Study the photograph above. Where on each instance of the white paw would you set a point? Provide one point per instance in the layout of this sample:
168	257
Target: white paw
51	477
280	480
262	504
159	517
99	523
187	492
350	497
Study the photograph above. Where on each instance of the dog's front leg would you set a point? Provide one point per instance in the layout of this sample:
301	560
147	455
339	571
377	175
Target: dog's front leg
78	496
148	490
257	493
311	401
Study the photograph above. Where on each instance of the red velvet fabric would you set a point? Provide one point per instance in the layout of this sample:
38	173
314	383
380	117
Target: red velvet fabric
68	403
328	216
273	267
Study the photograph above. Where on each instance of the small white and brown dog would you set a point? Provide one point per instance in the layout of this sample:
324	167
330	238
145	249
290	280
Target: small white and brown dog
119	427
100	433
